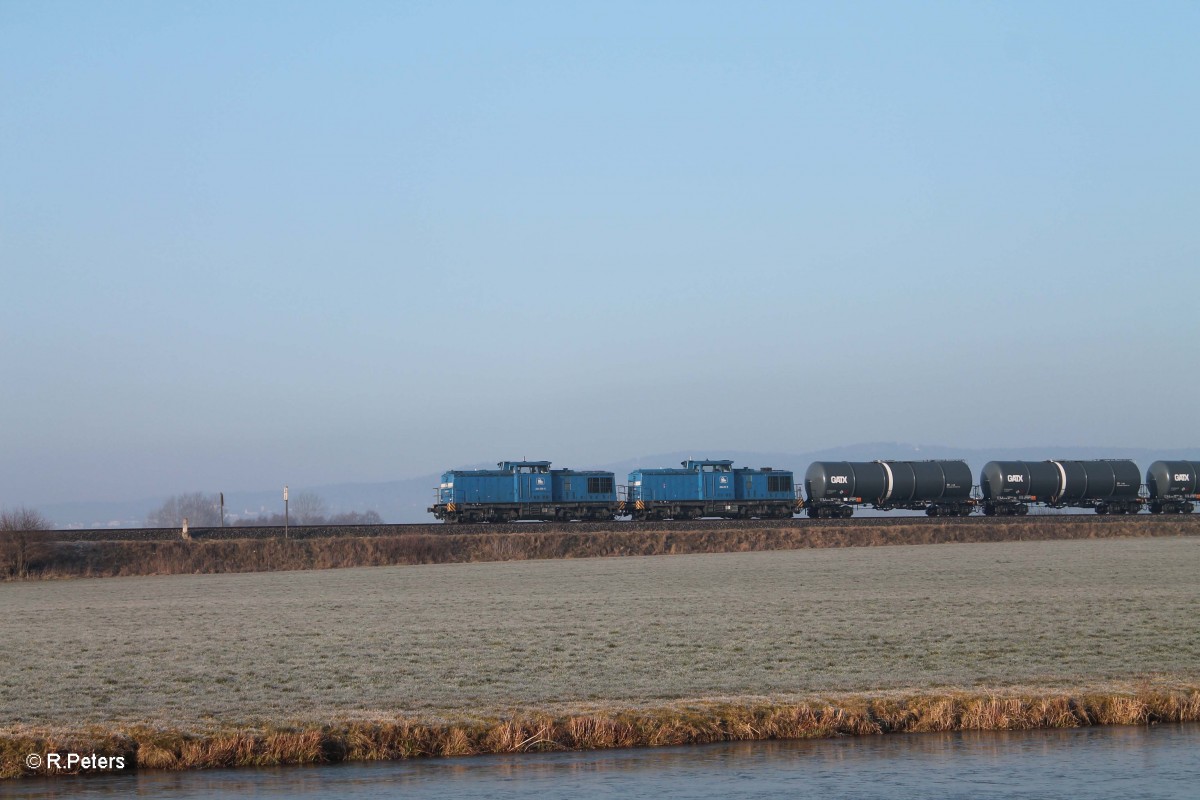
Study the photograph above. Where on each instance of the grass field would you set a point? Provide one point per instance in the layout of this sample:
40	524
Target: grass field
206	652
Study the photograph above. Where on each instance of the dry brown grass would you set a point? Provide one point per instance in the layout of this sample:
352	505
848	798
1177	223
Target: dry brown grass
93	559
665	726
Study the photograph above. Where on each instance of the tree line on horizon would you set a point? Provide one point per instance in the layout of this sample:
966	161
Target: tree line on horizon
203	510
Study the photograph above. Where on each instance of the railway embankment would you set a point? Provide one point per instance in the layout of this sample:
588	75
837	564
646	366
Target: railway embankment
84	554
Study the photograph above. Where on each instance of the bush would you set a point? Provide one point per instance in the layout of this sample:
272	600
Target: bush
15	547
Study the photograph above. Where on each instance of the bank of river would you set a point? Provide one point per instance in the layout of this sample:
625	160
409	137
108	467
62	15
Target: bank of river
1111	762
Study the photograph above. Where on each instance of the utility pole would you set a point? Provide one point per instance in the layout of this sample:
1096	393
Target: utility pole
222	509
285	512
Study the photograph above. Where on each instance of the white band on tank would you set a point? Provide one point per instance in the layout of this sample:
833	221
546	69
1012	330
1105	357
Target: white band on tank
887	469
1062	486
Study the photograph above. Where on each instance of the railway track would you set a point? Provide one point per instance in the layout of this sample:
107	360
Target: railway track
440	529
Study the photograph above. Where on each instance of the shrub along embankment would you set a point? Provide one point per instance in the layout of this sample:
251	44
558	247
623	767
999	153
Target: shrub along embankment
123	558
674	725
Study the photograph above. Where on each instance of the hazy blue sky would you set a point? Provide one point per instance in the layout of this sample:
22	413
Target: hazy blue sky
243	244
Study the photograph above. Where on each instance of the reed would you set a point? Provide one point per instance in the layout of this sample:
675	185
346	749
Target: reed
679	724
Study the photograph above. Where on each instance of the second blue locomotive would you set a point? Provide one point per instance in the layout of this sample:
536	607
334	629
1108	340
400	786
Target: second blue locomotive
704	488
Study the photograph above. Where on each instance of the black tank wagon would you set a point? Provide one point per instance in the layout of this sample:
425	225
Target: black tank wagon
1173	486
939	488
1108	486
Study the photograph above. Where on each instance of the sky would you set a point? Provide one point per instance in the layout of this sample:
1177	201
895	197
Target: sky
249	244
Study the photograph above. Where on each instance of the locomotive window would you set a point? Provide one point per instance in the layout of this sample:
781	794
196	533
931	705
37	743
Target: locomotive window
779	483
566	484
600	485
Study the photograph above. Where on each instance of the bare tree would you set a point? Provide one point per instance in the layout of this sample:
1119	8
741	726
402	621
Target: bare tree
201	510
23	519
308	509
15	525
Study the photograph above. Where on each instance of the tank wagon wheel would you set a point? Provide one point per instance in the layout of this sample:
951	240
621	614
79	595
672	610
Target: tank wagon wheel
932	511
1102	508
1022	510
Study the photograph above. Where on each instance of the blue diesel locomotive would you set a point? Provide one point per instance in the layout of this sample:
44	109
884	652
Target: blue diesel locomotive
527	490
711	489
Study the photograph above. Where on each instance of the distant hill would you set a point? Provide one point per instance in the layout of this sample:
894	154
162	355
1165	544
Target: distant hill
406	500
